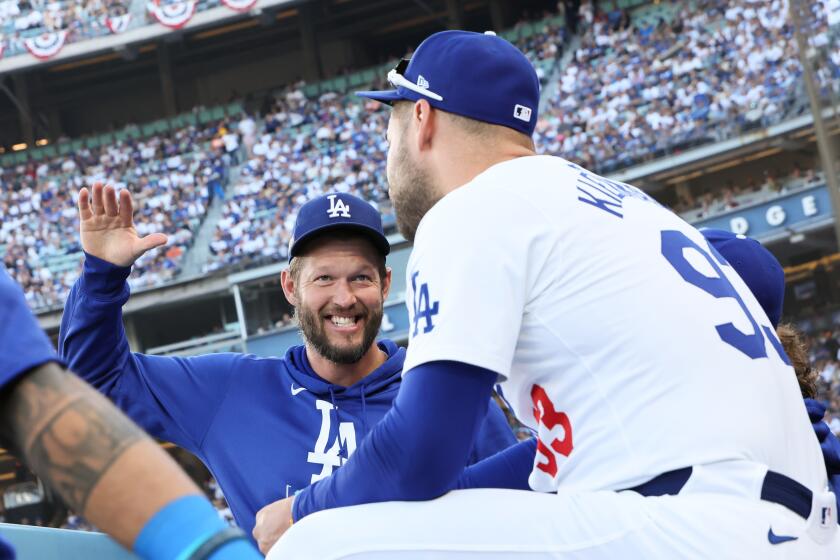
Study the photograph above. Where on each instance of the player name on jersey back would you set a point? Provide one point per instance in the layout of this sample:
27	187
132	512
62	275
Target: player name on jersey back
623	338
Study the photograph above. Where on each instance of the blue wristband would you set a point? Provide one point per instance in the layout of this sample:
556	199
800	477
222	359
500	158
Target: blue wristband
180	528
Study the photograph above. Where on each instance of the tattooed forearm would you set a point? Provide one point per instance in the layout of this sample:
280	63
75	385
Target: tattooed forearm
68	433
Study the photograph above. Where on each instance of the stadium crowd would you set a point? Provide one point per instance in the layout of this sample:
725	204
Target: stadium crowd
639	89
172	177
305	148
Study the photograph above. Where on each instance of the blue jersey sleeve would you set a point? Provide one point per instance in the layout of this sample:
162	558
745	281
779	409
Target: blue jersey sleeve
23	345
419	449
172	398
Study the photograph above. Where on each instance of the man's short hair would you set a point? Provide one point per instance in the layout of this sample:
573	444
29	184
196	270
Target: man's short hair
470	126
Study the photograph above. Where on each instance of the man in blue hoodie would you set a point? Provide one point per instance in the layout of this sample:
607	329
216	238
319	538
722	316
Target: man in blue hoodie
265	427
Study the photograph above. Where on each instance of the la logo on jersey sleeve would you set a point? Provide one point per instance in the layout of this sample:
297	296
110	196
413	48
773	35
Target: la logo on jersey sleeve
423	309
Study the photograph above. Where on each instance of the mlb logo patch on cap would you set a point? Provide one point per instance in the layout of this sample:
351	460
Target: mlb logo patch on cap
522	113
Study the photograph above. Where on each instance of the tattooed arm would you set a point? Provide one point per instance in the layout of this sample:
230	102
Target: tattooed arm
88	451
96	458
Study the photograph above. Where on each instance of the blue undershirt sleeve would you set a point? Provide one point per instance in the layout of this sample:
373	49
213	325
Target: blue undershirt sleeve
419	449
494	435
172	398
506	469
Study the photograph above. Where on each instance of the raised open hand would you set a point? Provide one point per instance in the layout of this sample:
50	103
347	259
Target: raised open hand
107	227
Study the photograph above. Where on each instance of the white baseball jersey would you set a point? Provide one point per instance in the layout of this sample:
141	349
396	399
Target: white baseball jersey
620	335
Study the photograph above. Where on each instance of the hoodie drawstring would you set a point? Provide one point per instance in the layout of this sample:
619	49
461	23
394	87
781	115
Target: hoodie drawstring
342	451
364	411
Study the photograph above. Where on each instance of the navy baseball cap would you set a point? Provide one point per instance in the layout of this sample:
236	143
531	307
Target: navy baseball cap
337	211
756	266
475	75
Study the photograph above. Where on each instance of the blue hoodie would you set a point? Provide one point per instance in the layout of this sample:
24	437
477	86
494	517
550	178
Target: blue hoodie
265	427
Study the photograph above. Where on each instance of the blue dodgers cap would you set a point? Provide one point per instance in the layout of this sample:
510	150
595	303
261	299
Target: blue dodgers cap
337	211
756	266
475	75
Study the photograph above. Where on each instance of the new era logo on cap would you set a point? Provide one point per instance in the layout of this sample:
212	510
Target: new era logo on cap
422	82
522	113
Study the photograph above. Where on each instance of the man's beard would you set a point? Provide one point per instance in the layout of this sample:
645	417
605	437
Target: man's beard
313	332
411	193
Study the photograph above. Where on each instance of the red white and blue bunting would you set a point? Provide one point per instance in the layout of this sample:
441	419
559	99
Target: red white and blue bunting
239	5
46	45
174	15
118	24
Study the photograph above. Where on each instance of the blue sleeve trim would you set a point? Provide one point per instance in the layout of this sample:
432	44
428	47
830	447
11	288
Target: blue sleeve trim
404	458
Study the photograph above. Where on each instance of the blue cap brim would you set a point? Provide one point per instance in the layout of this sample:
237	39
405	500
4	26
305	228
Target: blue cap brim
376	237
386	96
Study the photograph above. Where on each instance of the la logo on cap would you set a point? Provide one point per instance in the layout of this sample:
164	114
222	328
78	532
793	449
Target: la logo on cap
337	207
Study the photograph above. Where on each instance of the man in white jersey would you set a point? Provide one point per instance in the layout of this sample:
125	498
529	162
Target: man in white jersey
668	423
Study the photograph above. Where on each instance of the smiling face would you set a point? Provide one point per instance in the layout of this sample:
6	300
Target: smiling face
338	288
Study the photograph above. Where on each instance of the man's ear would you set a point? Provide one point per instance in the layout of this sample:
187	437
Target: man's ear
424	119
288	284
386	283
